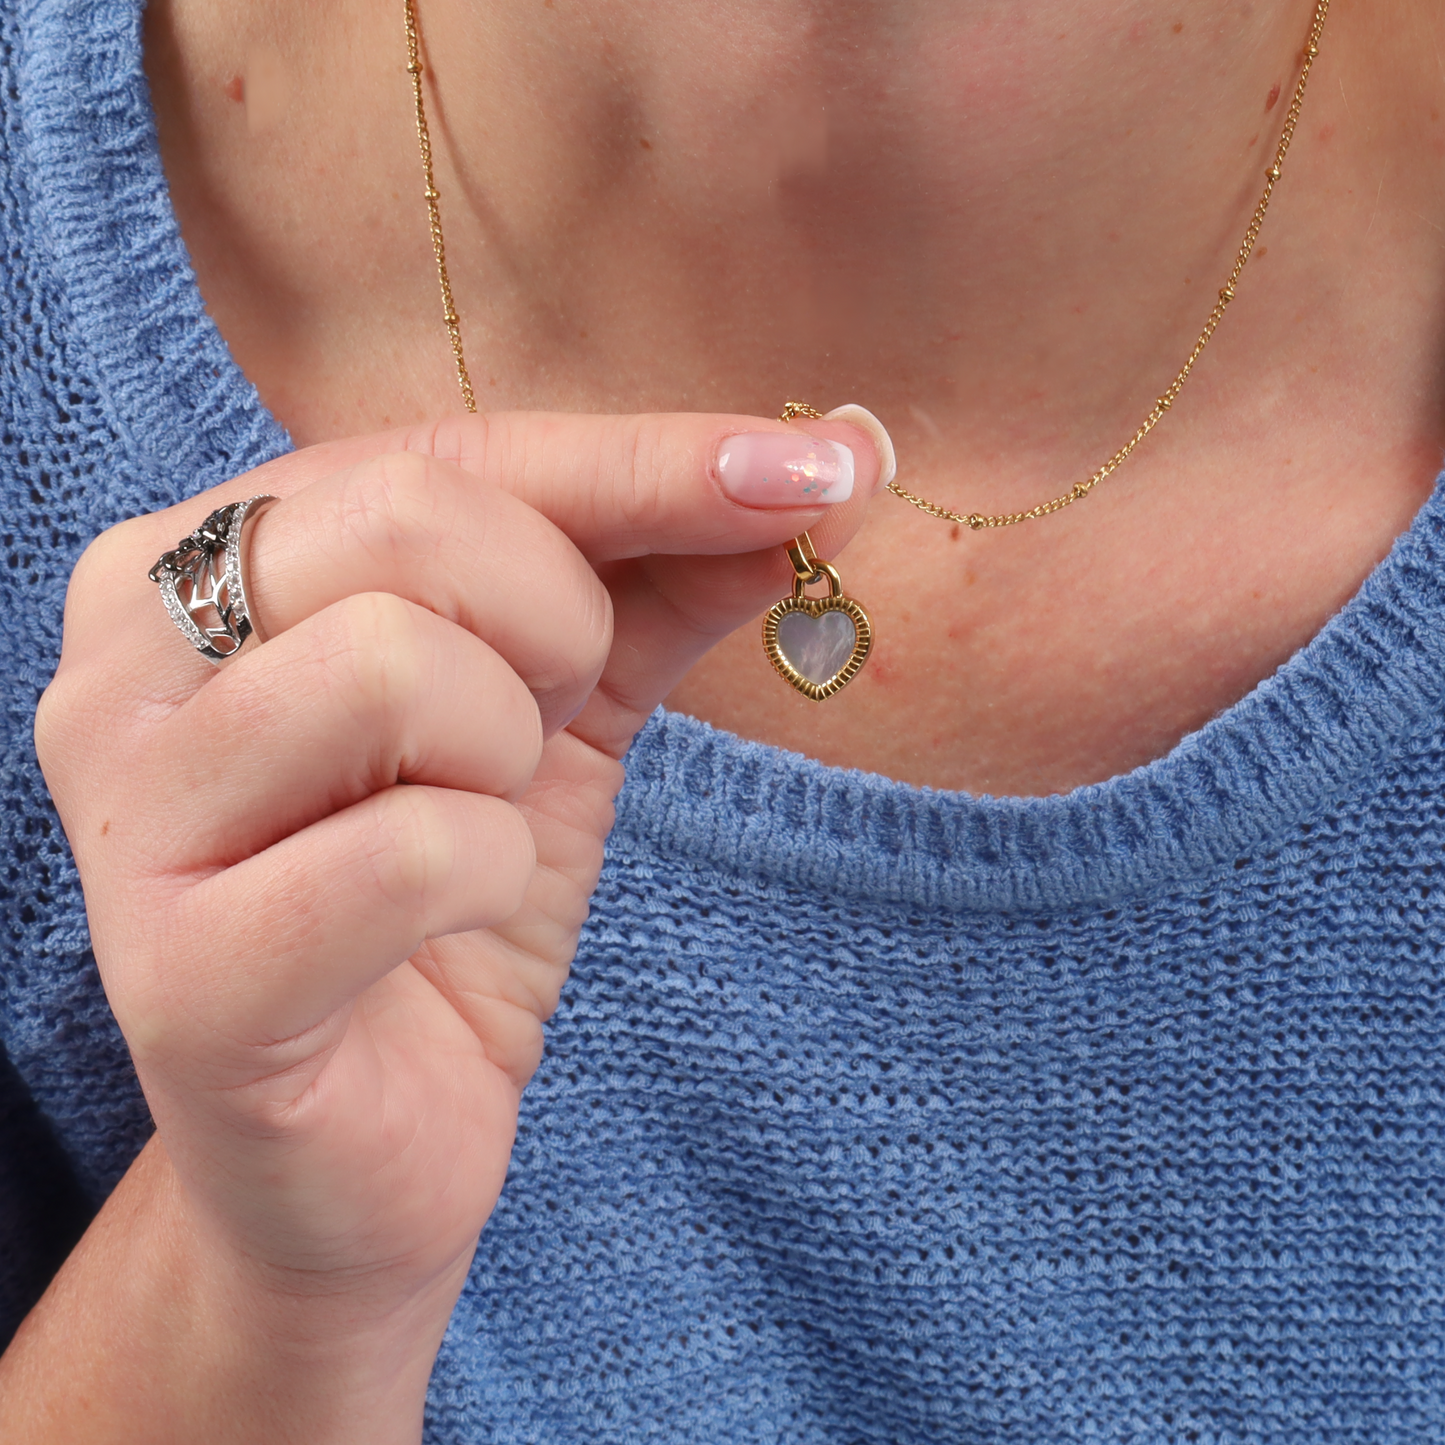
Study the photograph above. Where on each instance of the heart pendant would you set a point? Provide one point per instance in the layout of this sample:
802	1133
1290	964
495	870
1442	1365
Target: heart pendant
819	644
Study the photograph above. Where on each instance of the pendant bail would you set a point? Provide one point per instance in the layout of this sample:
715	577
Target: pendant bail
804	557
826	572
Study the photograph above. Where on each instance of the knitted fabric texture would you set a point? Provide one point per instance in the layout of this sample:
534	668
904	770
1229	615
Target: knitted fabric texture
870	1115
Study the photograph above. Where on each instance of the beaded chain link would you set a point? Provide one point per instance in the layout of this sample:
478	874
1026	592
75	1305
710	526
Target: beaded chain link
978	521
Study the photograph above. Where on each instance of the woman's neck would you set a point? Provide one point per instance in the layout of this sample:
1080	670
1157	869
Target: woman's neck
1000	216
999	224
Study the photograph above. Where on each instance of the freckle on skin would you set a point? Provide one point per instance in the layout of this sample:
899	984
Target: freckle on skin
236	89
645	144
1178	26
105	828
1273	97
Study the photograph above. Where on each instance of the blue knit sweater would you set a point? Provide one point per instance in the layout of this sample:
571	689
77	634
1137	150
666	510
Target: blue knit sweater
870	1114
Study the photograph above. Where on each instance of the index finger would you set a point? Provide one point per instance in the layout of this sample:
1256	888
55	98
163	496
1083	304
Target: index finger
626	486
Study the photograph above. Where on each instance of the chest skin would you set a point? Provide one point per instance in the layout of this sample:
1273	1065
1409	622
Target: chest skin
923	210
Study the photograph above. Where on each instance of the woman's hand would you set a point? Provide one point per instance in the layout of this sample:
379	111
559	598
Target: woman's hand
335	886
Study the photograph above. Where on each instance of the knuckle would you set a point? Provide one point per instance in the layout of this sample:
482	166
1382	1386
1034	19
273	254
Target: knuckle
414	850
371	648
52	714
590	633
110	559
643	451
512	857
528	738
399	506
115	550
82	714
463	439
582	635
90	684
451	861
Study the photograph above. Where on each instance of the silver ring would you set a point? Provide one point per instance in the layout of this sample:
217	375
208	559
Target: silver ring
203	581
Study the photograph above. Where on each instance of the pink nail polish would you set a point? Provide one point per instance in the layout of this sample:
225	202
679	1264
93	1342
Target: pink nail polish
784	469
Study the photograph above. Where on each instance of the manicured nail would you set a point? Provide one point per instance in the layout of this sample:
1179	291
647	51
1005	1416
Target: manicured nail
864	420
784	469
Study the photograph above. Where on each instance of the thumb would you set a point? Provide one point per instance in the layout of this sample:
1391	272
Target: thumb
669	610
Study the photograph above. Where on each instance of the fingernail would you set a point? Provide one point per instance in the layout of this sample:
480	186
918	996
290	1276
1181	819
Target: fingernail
864	420
784	469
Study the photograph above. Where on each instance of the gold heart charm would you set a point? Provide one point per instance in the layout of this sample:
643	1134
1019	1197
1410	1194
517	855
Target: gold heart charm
818	644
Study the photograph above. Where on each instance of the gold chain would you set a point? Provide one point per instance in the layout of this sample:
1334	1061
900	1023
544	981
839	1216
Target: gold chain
979	520
433	197
976	520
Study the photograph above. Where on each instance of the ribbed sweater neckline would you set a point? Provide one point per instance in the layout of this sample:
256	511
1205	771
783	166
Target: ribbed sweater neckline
1370	681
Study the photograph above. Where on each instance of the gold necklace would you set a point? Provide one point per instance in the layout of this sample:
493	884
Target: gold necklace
806	617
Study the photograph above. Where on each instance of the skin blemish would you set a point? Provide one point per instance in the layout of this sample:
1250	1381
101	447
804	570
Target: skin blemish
1260	254
1327	132
1273	97
1252	140
645	144
236	89
955	532
1178	26
105	828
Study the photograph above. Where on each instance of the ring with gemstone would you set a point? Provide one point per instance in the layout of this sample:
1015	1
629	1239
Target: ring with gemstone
203	581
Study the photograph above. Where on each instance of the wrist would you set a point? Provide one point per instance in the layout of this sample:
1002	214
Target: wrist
157	1331
299	1360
